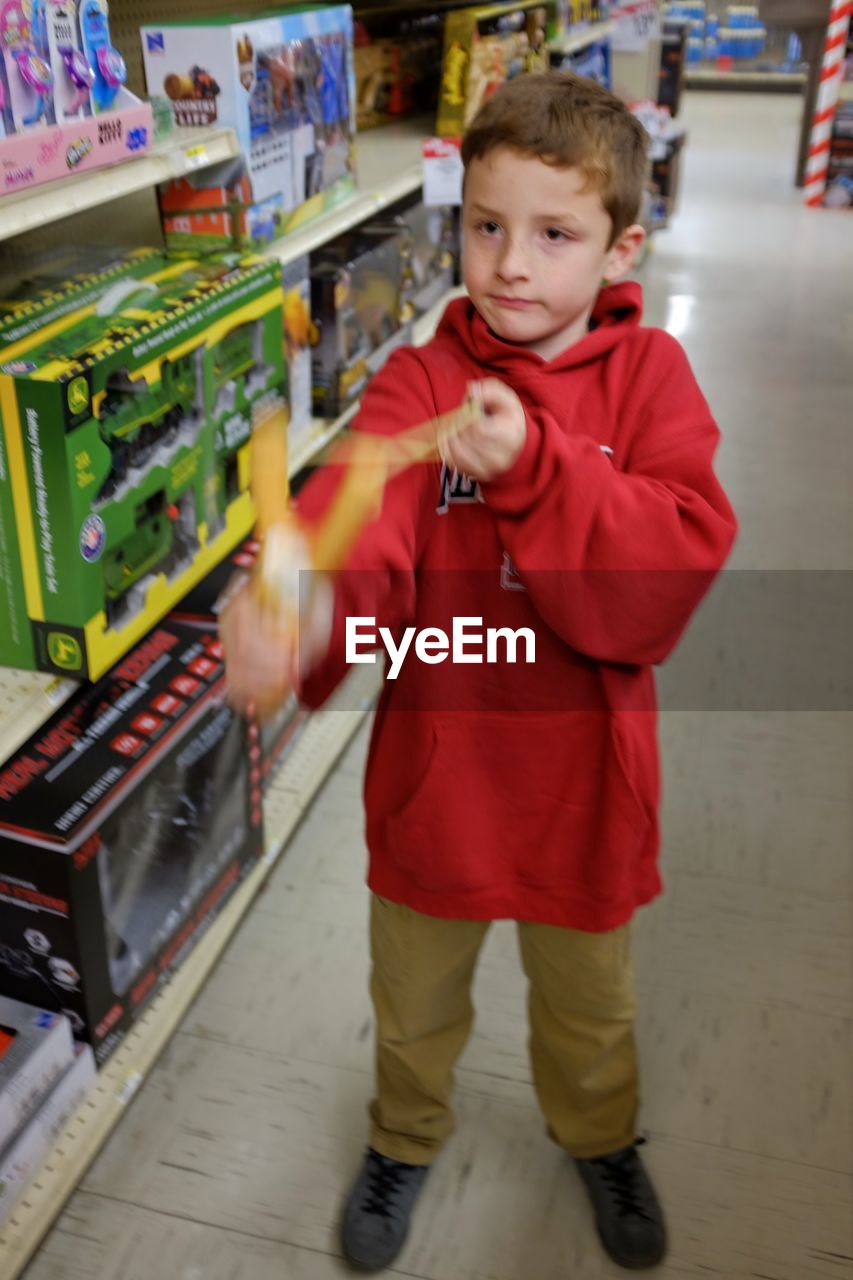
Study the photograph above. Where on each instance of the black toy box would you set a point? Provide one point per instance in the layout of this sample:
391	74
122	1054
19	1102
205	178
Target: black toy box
125	824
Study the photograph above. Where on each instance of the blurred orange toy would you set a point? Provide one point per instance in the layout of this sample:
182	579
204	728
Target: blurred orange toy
300	330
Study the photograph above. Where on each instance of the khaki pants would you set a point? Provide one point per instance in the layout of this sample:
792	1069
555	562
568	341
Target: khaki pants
581	1010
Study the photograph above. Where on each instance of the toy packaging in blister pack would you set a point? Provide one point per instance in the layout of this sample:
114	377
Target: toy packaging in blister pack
483	47
397	64
284	82
125	824
126	433
59	64
431	250
361	312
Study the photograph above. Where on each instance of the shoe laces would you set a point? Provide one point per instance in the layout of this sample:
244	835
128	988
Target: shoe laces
621	1173
385	1177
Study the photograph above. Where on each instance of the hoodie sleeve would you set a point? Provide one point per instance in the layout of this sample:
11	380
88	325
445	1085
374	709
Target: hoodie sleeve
378	581
616	559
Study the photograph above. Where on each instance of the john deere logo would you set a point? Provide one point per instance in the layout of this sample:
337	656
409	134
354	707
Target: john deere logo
78	395
64	651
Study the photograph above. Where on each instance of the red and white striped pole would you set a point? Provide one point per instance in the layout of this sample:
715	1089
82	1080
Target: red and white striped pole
831	74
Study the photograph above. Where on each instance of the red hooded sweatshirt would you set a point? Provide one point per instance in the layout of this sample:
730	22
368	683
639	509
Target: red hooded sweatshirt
530	790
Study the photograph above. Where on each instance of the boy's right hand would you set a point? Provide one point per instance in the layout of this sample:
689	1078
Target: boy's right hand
267	653
260	653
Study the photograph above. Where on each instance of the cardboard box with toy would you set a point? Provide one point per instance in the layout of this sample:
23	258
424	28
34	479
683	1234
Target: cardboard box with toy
284	82
125	824
397	64
483	47
126	426
430	249
360	307
36	1047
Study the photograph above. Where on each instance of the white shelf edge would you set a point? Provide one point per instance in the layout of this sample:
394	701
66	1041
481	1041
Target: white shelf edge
324	738
324	431
702	75
182	152
349	213
574	41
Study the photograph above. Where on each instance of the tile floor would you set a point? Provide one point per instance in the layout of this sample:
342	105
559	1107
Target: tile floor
231	1163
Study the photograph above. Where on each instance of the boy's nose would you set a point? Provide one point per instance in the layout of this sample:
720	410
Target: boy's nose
512	264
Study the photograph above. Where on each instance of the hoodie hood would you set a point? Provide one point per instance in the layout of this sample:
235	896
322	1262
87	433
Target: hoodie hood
617	313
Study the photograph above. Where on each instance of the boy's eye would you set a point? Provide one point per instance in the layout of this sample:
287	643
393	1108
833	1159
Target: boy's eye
488	226
555	236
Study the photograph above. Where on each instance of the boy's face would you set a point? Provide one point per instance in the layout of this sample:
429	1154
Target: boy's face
536	249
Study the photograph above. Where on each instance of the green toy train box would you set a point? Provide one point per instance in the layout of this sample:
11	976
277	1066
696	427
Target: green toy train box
64	284
124	463
483	47
284	82
126	824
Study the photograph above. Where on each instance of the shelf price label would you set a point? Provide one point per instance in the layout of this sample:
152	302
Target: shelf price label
442	164
196	156
637	22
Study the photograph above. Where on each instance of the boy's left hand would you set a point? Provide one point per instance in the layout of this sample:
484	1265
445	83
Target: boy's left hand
491	446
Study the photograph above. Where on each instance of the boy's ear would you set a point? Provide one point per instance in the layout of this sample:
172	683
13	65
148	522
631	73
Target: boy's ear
622	255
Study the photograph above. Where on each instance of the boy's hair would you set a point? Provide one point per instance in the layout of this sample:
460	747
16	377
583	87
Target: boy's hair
568	121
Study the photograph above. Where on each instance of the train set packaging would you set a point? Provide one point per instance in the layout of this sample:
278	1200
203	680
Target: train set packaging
124	452
126	823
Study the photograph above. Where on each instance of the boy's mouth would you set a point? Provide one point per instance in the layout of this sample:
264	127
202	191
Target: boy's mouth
513	304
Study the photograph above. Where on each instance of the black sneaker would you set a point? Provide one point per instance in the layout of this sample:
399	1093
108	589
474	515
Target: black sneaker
627	1212
376	1217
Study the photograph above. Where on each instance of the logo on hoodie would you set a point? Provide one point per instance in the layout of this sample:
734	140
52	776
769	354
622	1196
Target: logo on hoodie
454	486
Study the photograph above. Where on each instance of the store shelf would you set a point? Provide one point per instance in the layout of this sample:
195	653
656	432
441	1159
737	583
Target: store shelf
183	151
315	752
711	78
573	41
388	168
323	431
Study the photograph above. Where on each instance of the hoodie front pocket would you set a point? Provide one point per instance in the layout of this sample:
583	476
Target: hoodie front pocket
537	799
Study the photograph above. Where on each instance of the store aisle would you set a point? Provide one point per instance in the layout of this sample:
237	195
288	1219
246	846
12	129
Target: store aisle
232	1162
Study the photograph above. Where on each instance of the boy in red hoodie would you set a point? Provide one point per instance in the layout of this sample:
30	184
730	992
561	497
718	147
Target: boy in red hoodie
582	510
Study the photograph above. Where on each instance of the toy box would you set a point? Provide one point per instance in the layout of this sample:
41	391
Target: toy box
284	82
36	1047
483	47
300	335
397	64
21	1160
66	281
431	249
360	309
125	823
64	108
126	430
200	608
